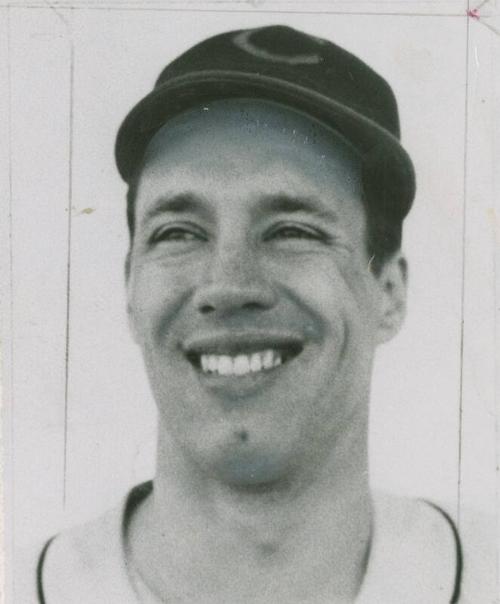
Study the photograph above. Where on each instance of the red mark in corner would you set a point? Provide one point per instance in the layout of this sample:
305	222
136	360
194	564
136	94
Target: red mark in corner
473	13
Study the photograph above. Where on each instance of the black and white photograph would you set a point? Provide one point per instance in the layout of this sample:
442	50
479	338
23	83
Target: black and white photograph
250	301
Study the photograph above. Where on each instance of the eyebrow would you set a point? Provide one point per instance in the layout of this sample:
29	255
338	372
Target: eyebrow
175	204
281	203
290	204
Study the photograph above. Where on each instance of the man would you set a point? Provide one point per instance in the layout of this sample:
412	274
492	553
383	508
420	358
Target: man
267	191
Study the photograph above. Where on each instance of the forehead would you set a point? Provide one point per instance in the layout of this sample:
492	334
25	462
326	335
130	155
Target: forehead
238	148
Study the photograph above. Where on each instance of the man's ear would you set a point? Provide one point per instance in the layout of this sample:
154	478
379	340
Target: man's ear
392	280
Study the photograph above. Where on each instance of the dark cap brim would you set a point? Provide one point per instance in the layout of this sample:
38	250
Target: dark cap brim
196	88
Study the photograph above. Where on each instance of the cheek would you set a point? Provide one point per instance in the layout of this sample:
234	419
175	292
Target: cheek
155	294
331	288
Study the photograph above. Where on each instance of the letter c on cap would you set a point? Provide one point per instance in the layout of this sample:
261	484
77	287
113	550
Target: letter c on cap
242	40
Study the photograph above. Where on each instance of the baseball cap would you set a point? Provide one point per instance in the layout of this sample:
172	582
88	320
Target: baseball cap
284	65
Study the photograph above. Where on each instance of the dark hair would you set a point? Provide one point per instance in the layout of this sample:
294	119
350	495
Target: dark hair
131	197
383	236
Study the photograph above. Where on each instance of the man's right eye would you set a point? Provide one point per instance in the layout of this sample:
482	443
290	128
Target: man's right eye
176	234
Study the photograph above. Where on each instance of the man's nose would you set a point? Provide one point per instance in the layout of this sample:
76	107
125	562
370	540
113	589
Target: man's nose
234	281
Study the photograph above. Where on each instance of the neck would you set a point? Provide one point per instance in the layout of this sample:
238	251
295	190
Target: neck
203	533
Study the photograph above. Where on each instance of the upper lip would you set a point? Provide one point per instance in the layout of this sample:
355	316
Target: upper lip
241	342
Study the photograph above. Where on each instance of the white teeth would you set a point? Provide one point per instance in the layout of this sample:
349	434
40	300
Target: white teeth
213	362
225	365
255	362
241	364
268	359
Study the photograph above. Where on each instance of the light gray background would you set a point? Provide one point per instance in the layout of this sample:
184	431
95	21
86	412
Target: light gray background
79	421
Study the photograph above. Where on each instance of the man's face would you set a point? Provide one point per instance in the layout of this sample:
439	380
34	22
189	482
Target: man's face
250	291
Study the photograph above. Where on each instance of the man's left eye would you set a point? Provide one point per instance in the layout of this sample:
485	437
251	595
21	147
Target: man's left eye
176	235
293	231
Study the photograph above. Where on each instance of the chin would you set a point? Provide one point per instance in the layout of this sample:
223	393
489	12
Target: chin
244	470
241	459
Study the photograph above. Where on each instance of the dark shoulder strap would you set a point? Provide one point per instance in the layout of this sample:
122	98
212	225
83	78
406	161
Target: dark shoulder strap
134	498
39	572
136	495
458	550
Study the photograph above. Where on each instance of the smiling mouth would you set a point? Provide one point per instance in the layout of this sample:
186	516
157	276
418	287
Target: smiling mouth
243	363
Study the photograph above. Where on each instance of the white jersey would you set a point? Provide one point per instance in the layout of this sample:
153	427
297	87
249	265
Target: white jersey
415	557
